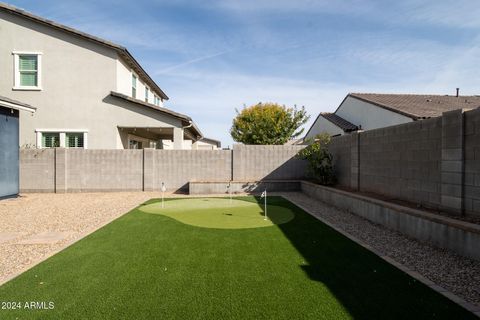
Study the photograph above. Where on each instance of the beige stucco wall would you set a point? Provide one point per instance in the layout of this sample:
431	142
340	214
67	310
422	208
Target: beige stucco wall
124	78
323	125
77	78
368	115
124	83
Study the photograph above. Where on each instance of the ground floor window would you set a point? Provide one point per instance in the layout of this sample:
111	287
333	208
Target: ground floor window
64	138
74	140
50	139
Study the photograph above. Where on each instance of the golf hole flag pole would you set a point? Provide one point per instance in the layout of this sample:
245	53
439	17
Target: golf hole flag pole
229	190
264	195
163	192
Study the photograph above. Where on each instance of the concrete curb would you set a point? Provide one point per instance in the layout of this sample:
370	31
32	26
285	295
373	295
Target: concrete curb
417	276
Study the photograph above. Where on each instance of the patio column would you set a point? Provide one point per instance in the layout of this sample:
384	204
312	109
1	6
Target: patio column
177	138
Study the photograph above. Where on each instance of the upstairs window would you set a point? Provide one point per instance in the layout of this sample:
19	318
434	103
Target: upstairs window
27	71
156	101
74	140
134	86
50	139
146	94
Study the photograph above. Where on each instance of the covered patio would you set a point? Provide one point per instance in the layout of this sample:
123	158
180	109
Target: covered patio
158	137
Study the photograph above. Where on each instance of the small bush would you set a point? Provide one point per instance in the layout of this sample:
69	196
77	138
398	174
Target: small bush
320	161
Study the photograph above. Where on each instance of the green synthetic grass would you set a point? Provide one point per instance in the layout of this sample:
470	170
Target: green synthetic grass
222	213
152	266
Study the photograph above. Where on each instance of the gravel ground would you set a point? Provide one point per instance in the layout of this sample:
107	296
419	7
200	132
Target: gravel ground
455	273
66	217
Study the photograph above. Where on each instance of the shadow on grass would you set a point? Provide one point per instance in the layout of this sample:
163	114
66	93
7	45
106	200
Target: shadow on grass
367	286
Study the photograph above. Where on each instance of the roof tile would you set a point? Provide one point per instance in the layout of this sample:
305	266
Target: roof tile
418	106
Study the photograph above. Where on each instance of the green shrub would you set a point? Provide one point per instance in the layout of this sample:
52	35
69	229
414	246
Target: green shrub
320	161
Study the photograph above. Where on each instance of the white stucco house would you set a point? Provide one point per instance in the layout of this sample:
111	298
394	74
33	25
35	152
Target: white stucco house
366	111
89	92
207	144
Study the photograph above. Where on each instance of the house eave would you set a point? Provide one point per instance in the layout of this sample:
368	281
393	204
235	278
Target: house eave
185	120
16	105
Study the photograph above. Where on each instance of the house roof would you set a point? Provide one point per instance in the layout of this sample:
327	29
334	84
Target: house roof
343	124
122	51
186	120
212	141
339	121
14	104
418	106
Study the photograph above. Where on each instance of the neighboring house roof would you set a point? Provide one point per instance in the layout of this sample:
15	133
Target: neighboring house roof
122	51
14	104
418	106
343	124
212	142
185	119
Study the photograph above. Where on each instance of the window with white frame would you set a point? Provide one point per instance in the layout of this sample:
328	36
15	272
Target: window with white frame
156	100
146	94
28	70
134	86
64	138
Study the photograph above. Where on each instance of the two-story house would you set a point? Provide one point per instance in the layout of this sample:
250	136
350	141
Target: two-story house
89	92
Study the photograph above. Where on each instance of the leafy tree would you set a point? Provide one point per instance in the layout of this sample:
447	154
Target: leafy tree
320	161
268	123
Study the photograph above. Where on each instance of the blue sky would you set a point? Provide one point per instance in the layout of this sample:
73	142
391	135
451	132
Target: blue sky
211	57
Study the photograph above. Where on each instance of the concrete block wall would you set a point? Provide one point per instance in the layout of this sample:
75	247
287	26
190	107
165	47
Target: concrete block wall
102	170
472	162
433	163
402	162
340	148
177	167
451	192
79	170
258	162
37	170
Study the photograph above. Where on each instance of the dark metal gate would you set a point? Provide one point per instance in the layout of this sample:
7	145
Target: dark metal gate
9	152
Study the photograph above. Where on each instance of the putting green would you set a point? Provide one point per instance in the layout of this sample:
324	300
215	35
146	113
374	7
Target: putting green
220	213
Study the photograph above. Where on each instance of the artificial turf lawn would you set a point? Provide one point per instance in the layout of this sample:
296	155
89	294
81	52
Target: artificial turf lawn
151	266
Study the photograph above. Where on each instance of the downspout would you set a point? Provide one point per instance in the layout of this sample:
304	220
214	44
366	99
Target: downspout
190	124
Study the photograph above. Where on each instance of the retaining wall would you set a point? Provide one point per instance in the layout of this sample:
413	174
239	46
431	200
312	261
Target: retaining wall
220	187
458	236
